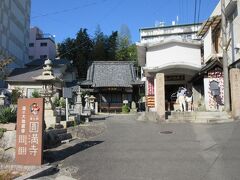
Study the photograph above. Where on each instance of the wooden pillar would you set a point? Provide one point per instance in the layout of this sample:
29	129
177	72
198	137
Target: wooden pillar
160	95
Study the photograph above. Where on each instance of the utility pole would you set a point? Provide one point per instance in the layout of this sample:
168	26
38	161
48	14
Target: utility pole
225	59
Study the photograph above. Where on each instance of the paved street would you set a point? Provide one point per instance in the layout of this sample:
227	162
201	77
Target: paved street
134	150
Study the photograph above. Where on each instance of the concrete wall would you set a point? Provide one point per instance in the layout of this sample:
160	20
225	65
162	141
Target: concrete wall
173	53
207	45
14	30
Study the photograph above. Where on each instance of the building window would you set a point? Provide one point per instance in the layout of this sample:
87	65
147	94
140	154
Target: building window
43	56
43	44
31	90
31	57
31	44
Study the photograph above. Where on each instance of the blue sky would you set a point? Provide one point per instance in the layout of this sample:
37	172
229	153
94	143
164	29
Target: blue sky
63	18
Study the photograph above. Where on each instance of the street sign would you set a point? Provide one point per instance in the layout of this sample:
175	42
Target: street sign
67	92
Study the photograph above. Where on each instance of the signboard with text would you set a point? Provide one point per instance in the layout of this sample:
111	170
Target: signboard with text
150	86
29	135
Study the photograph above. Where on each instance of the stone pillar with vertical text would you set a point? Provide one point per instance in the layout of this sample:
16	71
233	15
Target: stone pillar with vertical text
160	95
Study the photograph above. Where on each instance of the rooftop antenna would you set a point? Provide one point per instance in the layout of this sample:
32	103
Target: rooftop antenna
161	24
177	19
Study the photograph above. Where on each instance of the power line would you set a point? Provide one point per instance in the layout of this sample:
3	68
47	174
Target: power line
195	11
199	10
187	10
71	49
66	10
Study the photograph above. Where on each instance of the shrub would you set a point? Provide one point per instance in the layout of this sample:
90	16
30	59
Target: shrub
125	108
56	102
59	102
62	102
8	115
16	94
35	94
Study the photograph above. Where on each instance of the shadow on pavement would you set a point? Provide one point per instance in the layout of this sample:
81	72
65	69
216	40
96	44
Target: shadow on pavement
58	155
98	118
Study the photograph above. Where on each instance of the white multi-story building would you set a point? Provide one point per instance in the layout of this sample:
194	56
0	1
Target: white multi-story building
41	46
14	30
156	34
173	51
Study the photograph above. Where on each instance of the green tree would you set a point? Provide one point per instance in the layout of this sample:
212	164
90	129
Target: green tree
79	50
99	45
125	34
112	46
67	49
125	50
84	48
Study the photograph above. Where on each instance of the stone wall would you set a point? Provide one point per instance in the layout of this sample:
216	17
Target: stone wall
7	146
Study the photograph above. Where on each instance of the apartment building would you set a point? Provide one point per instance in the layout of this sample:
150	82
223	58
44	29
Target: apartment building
14	31
41	45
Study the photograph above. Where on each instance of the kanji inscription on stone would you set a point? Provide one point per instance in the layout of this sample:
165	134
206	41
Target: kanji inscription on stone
29	135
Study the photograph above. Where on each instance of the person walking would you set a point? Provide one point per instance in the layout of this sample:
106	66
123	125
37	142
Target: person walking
181	98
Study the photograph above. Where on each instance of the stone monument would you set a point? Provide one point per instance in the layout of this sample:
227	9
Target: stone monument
133	107
160	95
235	92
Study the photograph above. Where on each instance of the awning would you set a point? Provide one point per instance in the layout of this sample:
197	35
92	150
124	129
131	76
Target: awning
211	22
210	65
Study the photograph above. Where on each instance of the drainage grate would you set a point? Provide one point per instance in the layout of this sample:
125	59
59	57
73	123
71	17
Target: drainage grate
166	132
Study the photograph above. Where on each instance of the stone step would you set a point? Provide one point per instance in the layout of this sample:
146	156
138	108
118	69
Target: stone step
58	126
147	116
200	121
197	113
58	131
65	136
198	116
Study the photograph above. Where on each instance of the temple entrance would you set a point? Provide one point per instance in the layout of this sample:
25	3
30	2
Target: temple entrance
171	95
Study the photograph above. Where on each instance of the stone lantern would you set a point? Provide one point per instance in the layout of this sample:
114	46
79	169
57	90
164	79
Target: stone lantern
91	101
78	108
86	111
2	99
48	80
